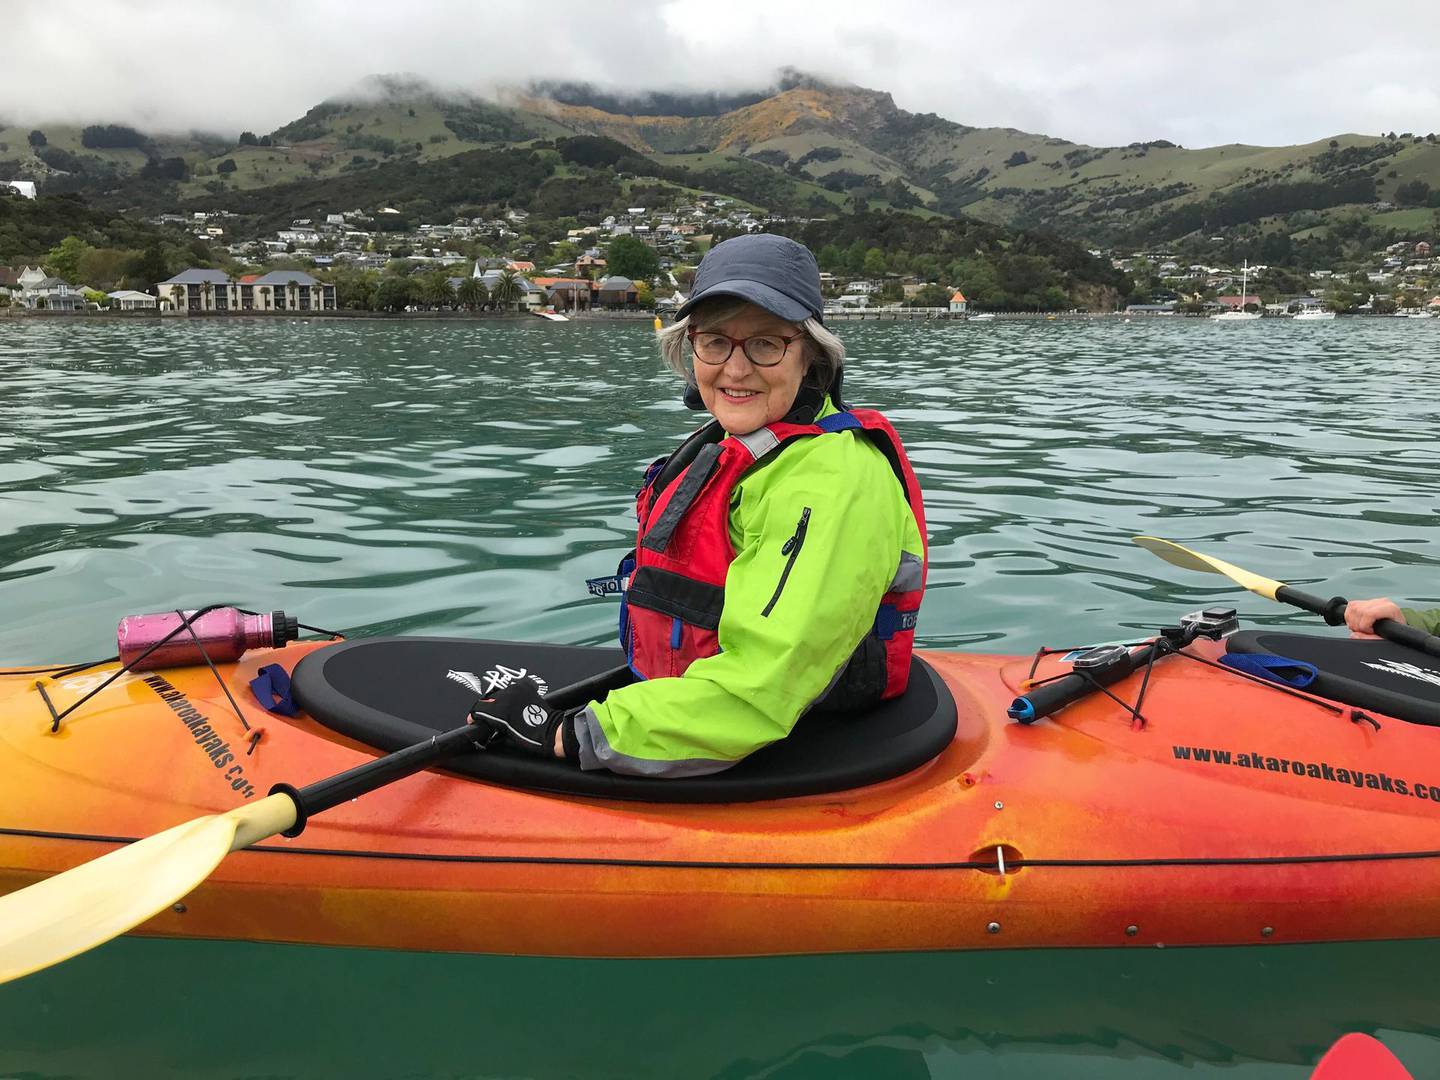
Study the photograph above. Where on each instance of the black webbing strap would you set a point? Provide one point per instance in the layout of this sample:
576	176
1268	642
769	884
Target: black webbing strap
657	538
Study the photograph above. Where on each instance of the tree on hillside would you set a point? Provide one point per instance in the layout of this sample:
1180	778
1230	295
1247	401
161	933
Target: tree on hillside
226	166
149	268
1414	193
931	296
102	268
631	257
63	260
37	138
247	138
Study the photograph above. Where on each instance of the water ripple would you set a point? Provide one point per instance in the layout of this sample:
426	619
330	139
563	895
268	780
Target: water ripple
425	477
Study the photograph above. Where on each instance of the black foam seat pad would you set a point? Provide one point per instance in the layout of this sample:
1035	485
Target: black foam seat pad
392	692
1369	674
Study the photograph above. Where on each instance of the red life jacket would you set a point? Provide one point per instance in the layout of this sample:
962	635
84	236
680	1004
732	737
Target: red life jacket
670	610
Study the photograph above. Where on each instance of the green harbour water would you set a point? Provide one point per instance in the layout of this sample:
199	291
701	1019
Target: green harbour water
465	478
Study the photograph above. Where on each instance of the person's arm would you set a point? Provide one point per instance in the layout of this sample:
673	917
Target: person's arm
1361	616
1427	620
781	646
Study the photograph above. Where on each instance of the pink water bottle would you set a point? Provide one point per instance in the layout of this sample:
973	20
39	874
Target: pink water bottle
223	634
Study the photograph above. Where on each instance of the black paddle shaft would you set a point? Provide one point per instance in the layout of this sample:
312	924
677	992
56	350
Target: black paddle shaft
1333	612
363	779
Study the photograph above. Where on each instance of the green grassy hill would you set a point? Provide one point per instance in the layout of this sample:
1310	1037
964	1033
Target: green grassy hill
808	148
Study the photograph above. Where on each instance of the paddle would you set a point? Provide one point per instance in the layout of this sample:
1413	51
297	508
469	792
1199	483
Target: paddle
1332	610
1359	1057
86	906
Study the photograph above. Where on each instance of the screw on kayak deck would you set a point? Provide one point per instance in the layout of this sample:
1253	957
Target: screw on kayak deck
1131	930
999	805
1266	931
992	928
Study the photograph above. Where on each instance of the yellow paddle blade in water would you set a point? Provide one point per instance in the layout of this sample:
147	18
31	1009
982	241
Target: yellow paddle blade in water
1177	555
69	913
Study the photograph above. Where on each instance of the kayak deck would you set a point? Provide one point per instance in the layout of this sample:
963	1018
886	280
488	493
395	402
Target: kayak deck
1110	832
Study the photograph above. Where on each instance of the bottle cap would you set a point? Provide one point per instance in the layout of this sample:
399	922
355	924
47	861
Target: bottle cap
283	629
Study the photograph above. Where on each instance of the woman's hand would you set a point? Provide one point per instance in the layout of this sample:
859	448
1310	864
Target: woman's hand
1361	615
520	720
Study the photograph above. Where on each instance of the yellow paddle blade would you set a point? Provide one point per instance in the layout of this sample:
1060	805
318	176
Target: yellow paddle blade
1176	555
88	905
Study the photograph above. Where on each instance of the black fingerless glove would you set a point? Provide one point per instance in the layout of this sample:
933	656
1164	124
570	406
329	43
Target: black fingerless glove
520	720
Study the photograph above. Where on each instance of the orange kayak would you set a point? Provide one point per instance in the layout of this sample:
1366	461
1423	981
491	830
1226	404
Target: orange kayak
1226	811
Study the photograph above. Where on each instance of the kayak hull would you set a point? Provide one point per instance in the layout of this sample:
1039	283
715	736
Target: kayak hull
1088	829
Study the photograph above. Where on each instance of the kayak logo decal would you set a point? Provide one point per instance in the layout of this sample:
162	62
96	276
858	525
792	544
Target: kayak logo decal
1310	770
1409	671
203	732
499	677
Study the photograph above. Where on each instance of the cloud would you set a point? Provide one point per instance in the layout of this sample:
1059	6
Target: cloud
1085	72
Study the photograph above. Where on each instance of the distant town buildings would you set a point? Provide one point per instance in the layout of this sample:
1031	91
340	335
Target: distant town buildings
200	291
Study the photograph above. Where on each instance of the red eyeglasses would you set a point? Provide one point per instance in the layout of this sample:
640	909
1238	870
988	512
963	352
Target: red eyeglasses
762	350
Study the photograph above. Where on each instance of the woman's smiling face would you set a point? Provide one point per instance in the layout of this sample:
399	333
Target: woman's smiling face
740	394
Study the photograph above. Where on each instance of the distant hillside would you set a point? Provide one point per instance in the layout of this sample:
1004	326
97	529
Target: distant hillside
804	146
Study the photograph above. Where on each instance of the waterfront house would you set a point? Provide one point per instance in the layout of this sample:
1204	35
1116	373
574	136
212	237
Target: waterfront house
130	300
617	292
532	296
1238	303
289	290
26	188
958	304
41	292
196	290
568	293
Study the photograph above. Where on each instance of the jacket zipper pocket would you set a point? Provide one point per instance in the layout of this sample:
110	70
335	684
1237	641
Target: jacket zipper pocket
792	549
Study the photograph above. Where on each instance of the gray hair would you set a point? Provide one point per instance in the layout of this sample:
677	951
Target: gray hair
824	352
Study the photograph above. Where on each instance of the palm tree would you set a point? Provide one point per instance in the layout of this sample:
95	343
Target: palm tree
435	290
266	304
507	289
472	293
292	294
206	290
177	297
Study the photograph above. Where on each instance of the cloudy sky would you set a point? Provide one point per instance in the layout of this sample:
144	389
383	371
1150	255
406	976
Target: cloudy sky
1099	72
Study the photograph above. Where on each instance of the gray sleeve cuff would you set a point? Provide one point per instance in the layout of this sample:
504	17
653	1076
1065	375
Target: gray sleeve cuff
597	753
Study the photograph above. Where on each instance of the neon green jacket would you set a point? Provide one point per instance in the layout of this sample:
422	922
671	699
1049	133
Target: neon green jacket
1428	620
769	670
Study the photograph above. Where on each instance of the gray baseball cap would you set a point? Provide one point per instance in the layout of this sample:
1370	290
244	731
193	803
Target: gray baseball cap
772	272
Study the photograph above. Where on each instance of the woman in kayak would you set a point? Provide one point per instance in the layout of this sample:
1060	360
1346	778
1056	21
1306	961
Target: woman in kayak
781	554
1361	616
